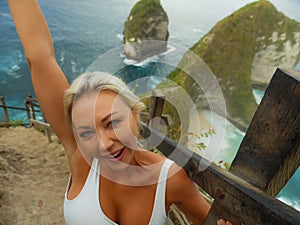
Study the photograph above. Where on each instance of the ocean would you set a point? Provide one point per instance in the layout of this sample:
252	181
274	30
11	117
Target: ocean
85	32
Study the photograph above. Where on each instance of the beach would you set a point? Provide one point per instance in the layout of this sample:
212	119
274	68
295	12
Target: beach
33	178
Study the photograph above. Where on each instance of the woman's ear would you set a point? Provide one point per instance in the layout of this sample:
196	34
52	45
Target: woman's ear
136	116
136	113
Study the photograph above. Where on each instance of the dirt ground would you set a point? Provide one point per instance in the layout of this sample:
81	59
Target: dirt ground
33	178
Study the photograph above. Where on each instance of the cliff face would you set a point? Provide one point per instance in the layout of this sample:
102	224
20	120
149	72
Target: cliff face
146	30
282	50
243	48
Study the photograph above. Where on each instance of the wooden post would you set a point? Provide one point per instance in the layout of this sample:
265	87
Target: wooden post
27	109
154	115
270	151
31	106
46	126
7	121
156	108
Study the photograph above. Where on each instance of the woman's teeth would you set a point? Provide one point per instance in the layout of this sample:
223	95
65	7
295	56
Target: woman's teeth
117	154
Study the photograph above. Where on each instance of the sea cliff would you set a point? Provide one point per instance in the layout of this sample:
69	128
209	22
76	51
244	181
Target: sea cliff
244	49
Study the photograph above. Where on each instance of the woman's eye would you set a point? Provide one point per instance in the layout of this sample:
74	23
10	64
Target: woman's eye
113	123
86	134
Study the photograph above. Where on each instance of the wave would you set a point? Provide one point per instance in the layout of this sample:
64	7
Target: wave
6	15
295	204
143	63
120	36
11	63
62	58
225	141
170	48
89	32
147	61
195	30
73	66
258	95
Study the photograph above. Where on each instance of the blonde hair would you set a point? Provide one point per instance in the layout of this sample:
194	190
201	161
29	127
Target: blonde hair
92	82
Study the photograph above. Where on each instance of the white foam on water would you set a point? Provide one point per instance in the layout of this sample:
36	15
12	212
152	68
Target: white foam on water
147	61
294	204
143	63
223	145
120	36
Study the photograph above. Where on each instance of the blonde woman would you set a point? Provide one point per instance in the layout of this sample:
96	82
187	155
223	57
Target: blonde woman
112	180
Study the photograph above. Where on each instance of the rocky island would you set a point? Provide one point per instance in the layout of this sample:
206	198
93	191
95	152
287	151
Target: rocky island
146	30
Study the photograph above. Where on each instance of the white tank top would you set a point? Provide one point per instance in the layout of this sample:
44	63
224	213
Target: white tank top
85	208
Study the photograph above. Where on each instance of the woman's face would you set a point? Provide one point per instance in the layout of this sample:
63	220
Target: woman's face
105	127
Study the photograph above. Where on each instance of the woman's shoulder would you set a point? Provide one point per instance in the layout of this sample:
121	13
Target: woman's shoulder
178	180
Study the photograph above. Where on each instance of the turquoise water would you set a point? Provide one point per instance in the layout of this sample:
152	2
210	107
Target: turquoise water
84	30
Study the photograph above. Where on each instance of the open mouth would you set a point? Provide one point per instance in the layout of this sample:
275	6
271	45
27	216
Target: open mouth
117	156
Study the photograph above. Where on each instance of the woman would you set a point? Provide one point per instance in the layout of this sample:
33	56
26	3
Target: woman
134	186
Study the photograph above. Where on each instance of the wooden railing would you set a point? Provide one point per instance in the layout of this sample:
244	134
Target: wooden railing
32	109
266	160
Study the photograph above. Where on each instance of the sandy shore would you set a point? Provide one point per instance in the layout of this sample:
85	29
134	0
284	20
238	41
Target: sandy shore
33	178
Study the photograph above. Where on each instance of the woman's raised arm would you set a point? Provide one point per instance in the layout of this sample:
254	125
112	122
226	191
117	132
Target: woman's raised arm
48	80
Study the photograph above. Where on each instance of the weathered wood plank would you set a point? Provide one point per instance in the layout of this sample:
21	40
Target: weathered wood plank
236	199
46	126
3	104
30	104
156	108
270	151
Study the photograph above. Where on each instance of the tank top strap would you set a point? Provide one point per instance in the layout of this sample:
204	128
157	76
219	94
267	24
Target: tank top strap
164	170
94	174
159	215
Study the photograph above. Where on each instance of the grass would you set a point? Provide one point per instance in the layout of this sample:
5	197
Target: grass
12	123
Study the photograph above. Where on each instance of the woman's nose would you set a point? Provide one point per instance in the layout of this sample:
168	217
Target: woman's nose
104	141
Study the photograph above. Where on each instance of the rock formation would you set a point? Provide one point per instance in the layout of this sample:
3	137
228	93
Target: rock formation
242	49
146	30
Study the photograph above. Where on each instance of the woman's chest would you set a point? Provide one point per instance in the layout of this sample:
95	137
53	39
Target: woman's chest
127	205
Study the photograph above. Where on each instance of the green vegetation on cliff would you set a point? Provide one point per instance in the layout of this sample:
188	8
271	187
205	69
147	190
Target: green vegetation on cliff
229	48
138	16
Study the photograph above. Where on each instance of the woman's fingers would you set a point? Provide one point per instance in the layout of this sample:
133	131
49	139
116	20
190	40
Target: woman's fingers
222	222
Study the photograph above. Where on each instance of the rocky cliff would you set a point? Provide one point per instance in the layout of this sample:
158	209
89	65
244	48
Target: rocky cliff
242	49
146	30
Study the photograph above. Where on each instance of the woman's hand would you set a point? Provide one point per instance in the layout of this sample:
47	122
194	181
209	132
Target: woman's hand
222	222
